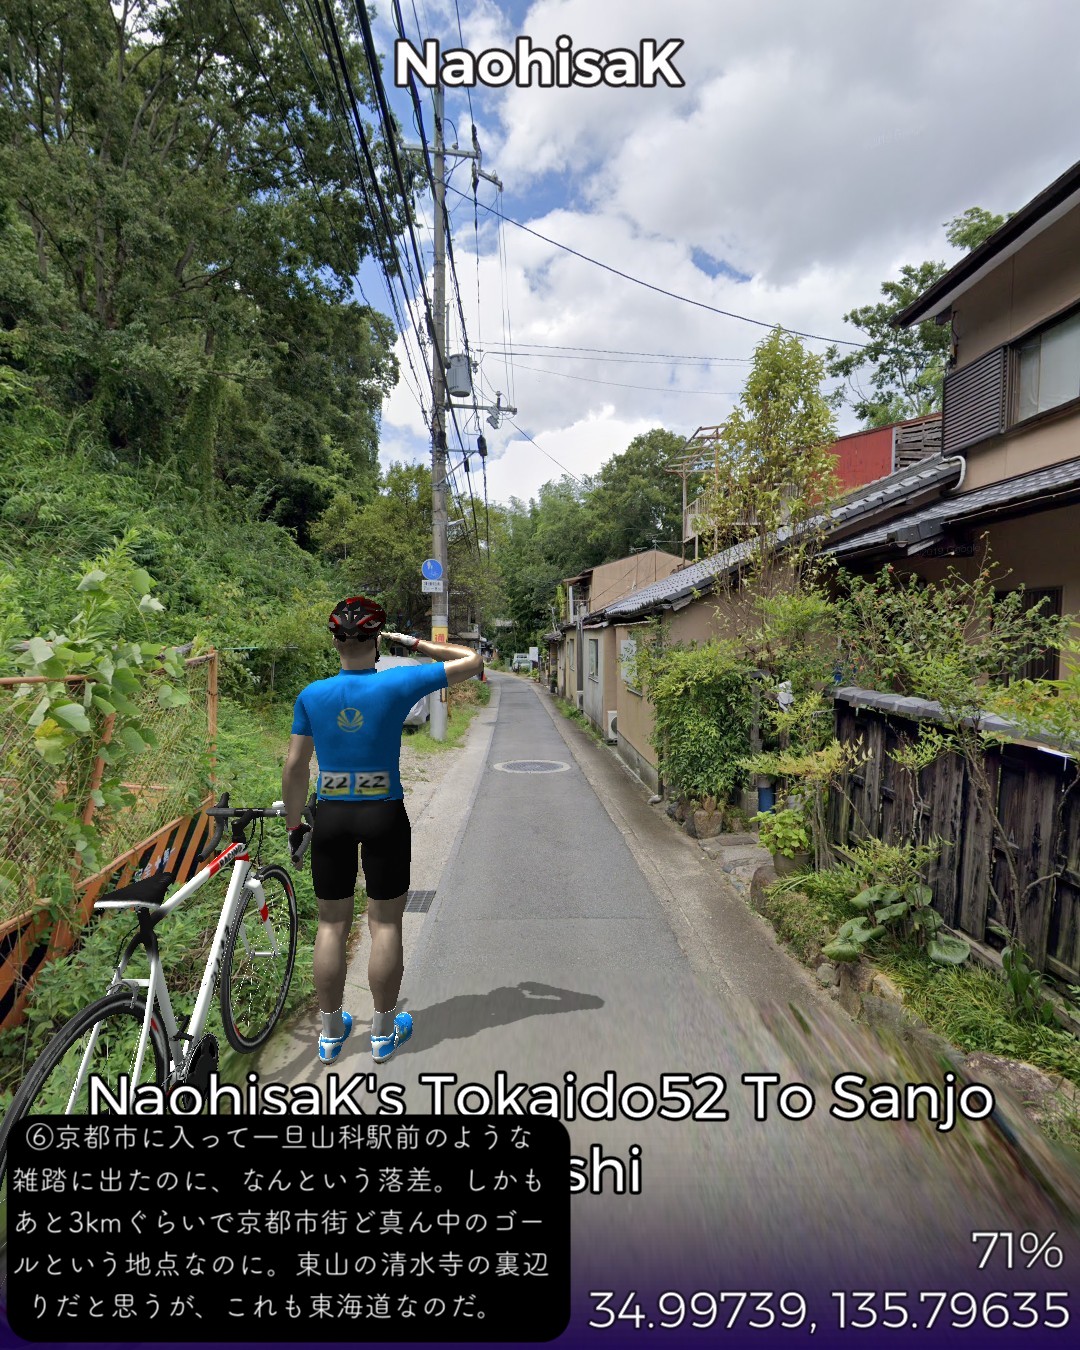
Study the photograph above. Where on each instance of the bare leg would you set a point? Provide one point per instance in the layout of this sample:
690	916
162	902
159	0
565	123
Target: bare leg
386	965
328	964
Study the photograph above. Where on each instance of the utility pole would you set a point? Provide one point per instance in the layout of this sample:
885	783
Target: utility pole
440	601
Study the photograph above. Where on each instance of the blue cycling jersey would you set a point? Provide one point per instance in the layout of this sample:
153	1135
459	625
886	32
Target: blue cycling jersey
355	719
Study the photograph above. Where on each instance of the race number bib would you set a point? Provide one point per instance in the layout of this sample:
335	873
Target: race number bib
350	785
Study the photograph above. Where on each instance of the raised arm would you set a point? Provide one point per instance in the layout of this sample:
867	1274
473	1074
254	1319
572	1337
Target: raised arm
460	663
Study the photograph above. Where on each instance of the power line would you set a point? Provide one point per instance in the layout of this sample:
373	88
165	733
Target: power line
461	40
331	39
619	351
660	290
651	388
377	238
387	121
328	27
543	451
701	363
419	114
505	271
328	103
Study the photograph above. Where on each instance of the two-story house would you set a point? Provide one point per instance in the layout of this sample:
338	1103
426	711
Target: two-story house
1011	414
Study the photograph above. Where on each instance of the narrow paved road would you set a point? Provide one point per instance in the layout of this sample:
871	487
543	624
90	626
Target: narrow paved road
574	929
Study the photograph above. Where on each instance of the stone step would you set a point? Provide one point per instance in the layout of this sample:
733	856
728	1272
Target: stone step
748	854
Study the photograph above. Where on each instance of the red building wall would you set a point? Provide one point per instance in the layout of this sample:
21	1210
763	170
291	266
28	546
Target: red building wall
864	456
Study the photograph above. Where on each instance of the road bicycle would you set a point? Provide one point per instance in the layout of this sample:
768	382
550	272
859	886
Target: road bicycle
132	1032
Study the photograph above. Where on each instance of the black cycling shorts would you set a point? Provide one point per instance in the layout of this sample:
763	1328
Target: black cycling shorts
384	835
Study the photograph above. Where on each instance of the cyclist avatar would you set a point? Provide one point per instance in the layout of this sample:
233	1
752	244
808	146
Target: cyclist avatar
353	722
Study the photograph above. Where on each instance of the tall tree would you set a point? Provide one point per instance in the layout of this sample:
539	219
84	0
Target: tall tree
546	540
190	207
905	366
379	546
633	503
773	465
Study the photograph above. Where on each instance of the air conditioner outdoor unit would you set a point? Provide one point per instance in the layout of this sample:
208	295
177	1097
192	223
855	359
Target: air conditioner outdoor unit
579	698
611	723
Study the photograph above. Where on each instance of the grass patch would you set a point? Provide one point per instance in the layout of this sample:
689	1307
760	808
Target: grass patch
806	909
251	743
969	1006
972	1007
576	716
466	700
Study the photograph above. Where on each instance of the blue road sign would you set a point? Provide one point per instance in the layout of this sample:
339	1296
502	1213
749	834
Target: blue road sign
431	568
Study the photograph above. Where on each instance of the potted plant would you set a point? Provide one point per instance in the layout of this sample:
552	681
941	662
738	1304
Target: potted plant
786	836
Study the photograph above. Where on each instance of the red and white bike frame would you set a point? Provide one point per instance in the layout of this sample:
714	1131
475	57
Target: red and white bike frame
181	1044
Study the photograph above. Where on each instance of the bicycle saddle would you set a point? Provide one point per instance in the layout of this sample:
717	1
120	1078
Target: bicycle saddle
148	892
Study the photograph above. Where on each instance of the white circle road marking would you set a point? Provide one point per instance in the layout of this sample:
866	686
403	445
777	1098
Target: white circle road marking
532	766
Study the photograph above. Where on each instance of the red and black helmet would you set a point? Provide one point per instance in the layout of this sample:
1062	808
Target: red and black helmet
357	617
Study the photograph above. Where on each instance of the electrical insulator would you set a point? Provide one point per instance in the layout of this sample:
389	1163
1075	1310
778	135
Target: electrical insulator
481	445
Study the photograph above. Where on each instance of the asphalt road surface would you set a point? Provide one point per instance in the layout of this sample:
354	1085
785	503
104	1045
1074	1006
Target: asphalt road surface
575	931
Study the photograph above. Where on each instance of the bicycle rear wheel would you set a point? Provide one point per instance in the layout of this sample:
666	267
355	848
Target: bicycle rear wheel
103	1040
258	964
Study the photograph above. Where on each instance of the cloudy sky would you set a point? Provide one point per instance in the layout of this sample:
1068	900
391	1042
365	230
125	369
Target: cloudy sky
815	149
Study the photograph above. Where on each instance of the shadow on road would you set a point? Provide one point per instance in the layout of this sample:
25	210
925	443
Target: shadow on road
463	1016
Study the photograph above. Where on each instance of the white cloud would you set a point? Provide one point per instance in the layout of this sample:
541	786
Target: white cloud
522	467
816	148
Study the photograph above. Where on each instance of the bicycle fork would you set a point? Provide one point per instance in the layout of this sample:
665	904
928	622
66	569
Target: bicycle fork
258	902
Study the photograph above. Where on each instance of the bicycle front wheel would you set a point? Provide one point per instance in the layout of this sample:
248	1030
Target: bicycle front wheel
101	1041
258	964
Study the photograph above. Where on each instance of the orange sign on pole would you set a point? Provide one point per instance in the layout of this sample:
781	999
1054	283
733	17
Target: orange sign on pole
439	634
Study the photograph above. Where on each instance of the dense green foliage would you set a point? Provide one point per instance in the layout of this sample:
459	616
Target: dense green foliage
251	749
700	696
630	505
178	241
945	641
973	1008
53	732
378	547
228	580
773	464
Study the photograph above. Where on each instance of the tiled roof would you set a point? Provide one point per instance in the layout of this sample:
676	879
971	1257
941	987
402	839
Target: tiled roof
1042	483
701	576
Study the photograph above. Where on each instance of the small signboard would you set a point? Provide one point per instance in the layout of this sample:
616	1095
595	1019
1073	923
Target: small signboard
431	569
431	585
439	634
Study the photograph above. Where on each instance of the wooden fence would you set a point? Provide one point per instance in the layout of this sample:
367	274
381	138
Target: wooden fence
1030	790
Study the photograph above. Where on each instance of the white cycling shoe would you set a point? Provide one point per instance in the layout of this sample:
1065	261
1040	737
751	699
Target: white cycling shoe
330	1046
382	1047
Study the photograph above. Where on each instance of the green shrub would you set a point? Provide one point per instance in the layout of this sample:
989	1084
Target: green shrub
805	908
702	705
784	832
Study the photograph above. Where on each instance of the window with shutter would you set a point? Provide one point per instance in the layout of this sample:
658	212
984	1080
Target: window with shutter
974	404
